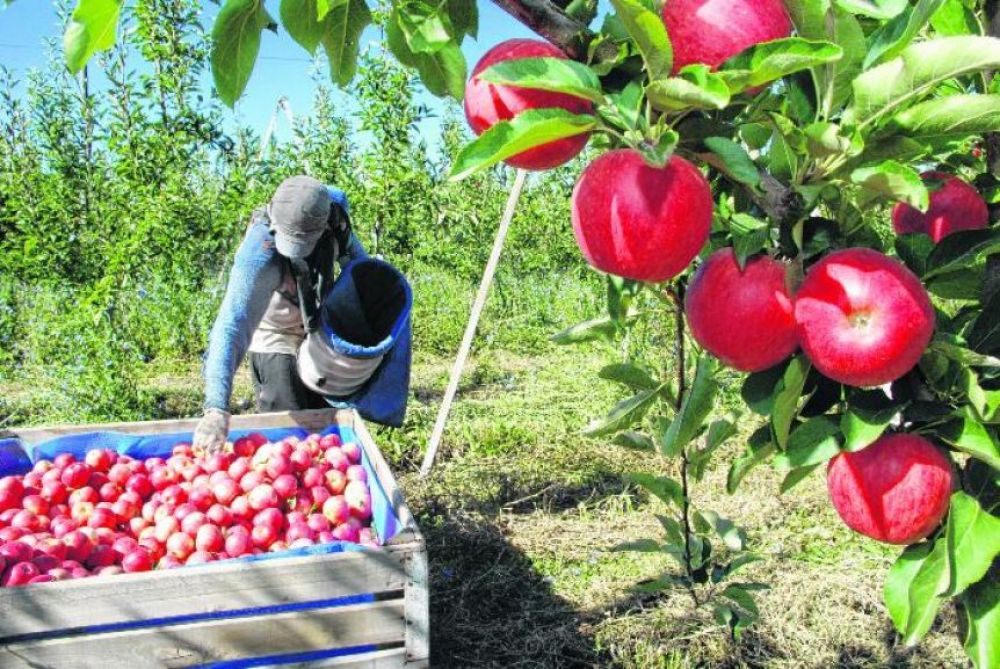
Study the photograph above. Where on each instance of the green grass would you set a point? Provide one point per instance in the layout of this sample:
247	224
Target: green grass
521	512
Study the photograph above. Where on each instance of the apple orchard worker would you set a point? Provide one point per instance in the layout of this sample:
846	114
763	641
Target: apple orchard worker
313	341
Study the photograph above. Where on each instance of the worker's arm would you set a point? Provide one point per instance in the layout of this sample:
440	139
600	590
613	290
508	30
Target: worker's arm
255	275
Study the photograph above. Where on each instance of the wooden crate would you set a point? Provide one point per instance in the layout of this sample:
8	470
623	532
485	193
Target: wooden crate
365	608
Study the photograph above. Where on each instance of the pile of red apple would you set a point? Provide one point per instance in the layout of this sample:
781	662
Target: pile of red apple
112	513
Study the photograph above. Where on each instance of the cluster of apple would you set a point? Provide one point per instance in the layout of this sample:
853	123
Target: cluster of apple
112	513
862	318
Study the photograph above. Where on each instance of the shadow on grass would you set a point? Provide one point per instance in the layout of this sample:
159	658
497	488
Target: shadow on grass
490	608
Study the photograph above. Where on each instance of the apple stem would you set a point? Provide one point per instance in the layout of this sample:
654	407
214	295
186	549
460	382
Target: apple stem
678	295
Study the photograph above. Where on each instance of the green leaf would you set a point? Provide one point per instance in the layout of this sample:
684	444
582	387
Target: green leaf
954	18
598	328
836	78
876	9
741	597
809	17
626	107
323	7
443	72
527	130
918	70
235	42
695	408
961	251
427	28
913	250
891	38
634	440
924	596
735	160
750	236
464	17
895	181
968	435
865	419
786	398
624	414
768	61
695	86
954	350
92	27
826	139
899	579
671	528
665	488
981	612
299	17
950	117
629	375
650	35
640	546
732	536
811	443
759	388
759	448
973	541
657	154
795	477
558	75
343	26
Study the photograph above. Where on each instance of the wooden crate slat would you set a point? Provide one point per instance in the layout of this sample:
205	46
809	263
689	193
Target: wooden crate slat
214	641
193	590
312	420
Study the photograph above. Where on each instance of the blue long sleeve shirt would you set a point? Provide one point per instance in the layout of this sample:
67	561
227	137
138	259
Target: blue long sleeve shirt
257	273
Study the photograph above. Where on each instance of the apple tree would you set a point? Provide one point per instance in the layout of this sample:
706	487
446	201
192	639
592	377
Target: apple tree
802	195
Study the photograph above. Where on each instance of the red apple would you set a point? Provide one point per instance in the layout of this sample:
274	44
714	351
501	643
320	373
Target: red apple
954	206
193	522
863	319
336	510
357	473
721	296
638	221
19	574
263	536
285	486
337	459
487	104
352	450
180	545
713	31
263	496
137	560
896	490
16	551
238	543
100	459
335	481
209	539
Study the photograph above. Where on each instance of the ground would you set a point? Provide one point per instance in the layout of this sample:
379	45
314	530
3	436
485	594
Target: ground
521	512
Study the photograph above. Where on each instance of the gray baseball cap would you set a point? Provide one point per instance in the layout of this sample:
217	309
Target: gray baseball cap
298	212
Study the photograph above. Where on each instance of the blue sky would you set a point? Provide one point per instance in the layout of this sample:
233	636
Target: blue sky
282	68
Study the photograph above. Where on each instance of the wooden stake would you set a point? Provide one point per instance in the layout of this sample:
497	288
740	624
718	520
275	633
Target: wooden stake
470	328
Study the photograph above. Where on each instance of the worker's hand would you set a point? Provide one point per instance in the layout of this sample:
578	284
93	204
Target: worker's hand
213	428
